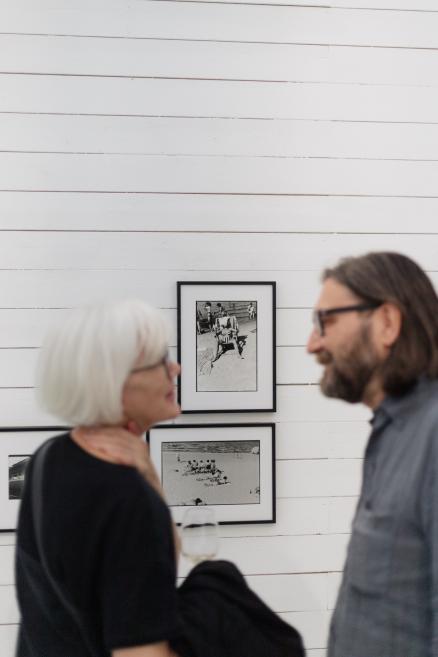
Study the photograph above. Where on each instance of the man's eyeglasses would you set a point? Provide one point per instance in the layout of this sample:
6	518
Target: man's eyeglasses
319	316
165	361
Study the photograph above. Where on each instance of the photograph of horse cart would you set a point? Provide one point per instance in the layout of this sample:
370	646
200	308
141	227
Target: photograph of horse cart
226	346
232	337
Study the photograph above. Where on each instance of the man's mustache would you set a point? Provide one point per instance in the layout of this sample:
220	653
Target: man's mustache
324	358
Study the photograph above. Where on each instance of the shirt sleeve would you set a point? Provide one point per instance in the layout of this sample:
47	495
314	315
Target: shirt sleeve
138	574
429	504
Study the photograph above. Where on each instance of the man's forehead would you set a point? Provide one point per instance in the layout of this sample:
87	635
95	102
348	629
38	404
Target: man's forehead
334	294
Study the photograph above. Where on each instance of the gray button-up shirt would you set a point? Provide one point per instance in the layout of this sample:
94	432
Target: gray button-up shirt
388	601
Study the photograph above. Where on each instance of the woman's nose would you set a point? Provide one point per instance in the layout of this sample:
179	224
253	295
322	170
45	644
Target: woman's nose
174	368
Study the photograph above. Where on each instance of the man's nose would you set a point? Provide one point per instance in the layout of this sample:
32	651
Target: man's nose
314	342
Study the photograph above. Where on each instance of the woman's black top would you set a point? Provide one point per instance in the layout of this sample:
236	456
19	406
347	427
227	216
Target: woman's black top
108	540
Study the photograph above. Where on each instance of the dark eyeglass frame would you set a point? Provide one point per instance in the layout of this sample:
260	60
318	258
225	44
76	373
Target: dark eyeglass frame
163	361
318	316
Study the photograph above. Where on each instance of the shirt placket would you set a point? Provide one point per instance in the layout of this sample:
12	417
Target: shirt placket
379	423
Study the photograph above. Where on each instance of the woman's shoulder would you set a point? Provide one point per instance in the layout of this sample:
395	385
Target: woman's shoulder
74	468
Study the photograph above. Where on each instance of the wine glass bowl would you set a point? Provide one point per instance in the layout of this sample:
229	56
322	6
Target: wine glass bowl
199	534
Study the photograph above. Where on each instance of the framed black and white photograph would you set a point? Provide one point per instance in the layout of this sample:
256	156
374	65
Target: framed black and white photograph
16	447
226	346
229	467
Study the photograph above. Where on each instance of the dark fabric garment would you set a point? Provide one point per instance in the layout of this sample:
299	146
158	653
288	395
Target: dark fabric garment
222	617
388	601
109	543
108	539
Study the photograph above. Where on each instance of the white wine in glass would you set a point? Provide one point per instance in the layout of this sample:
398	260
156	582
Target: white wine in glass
199	534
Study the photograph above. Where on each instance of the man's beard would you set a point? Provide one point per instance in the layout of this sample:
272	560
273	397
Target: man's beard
347	375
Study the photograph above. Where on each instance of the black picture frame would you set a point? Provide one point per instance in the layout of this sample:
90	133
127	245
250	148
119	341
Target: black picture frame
17	444
244	466
227	352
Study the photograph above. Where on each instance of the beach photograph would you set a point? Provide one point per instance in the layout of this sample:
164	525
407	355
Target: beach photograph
224	472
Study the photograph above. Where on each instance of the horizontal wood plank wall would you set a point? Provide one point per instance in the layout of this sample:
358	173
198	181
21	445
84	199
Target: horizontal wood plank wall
156	141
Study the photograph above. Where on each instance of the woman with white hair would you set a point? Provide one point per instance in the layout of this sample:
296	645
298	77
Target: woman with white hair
96	550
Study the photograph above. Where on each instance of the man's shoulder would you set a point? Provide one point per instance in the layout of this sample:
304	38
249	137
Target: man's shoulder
424	407
428	398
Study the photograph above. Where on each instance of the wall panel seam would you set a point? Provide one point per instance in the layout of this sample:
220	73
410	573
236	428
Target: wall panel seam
304	44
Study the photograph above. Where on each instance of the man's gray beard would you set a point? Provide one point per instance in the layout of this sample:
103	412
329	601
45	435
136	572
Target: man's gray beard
350	388
358	367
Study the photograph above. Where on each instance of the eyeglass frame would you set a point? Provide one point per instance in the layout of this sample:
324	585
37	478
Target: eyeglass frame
318	316
165	360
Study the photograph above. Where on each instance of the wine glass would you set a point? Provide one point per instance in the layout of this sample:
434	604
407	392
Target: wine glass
199	534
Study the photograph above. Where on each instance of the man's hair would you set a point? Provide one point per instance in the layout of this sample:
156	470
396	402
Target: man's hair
395	278
86	359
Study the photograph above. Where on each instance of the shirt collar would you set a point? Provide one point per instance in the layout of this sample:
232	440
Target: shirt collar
397	409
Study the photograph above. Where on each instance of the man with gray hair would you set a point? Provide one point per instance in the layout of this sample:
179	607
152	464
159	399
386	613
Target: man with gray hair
376	335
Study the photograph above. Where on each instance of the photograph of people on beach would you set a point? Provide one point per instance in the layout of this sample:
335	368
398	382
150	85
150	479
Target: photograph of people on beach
230	467
211	472
226	346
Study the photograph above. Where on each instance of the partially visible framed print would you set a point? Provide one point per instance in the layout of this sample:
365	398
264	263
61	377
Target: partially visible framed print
226	346
16	447
230	467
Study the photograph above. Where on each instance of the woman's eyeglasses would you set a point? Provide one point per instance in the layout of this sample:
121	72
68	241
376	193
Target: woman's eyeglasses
165	361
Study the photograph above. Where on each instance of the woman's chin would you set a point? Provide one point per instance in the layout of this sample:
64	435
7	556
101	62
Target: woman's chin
172	411
173	405
167	411
176	409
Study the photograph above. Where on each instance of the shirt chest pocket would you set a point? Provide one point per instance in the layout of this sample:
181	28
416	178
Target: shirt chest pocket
369	553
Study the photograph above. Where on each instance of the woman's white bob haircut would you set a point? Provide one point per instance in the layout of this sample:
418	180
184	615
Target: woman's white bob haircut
85	361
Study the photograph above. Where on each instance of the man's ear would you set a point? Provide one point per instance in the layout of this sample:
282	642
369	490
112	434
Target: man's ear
390	322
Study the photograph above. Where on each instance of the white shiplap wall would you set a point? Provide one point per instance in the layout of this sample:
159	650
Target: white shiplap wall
146	142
